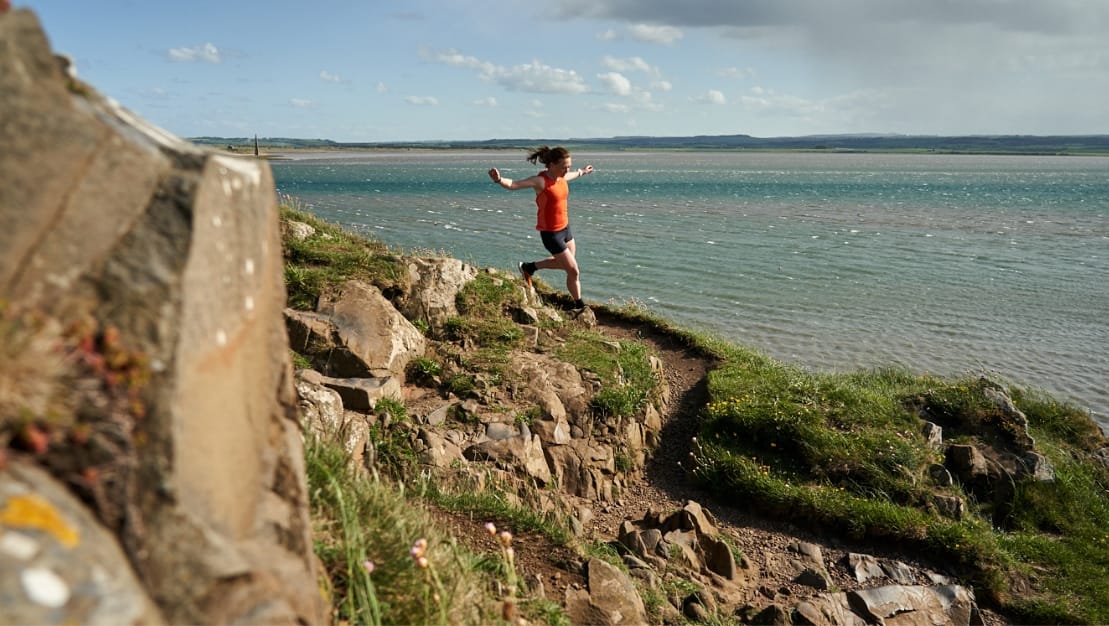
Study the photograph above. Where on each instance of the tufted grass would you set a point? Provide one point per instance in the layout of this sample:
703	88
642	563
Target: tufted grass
627	381
845	453
359	519
330	257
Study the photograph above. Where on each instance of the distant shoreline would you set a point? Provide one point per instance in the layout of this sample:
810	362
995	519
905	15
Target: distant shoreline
1000	145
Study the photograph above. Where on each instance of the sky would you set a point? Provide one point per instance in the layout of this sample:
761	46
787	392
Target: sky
429	70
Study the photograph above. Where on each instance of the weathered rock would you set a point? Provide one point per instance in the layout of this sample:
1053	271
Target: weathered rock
434	286
521	453
933	435
58	565
323	416
1101	455
583	468
898	605
552	432
363	394
1037	467
555	386
773	615
797	558
610	599
815	578
439	451
826	610
108	217
299	231
371	329
864	567
984	477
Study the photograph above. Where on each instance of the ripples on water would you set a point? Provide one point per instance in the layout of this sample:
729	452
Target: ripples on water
945	264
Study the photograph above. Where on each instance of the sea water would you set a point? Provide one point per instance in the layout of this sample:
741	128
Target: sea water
945	264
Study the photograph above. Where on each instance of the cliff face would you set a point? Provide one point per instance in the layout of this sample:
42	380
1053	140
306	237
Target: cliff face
160	263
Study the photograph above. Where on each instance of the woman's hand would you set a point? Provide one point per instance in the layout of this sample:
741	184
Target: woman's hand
495	175
588	170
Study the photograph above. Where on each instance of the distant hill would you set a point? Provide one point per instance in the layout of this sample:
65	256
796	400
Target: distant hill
979	144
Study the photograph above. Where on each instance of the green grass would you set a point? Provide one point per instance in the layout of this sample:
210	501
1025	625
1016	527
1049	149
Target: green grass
332	256
845	452
624	368
358	521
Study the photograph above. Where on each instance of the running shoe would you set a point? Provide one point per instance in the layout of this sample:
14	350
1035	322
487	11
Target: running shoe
525	275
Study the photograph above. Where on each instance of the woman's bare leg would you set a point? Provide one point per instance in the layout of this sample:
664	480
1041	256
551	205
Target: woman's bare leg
565	261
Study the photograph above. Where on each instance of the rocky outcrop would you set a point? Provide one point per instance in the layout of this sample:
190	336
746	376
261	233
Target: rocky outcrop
610	598
435	284
173	253
998	455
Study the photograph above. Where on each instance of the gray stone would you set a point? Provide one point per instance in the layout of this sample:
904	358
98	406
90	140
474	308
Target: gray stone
438	450
519	454
299	231
829	609
363	394
58	565
438	417
434	286
899	605
815	578
1037	467
864	567
933	435
324	418
611	598
371	329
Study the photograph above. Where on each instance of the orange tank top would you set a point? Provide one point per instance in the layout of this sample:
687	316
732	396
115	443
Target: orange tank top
552	215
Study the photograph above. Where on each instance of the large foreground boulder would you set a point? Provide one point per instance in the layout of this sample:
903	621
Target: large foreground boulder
173	252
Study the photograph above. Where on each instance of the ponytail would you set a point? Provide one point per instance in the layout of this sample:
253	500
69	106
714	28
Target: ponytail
547	155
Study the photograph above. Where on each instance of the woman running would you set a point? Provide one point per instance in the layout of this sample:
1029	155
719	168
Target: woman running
552	217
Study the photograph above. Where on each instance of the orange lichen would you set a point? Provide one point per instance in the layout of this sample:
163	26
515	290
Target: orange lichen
29	511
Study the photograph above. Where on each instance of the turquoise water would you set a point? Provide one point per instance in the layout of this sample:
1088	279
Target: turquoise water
941	263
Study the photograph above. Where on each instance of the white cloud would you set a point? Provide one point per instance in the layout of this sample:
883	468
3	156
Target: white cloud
486	102
738	73
422	100
762	100
665	35
329	77
616	108
538	77
631	64
608	35
662	85
616	83
382	87
300	103
207	52
535	77
714	96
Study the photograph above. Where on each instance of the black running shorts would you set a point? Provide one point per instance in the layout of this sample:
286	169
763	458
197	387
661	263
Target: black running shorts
555	241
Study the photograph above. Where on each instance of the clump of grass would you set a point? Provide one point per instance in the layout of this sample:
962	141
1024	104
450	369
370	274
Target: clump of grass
628	382
332	256
366	533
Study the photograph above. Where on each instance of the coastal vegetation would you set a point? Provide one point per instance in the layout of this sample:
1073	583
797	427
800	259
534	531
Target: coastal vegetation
842	454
